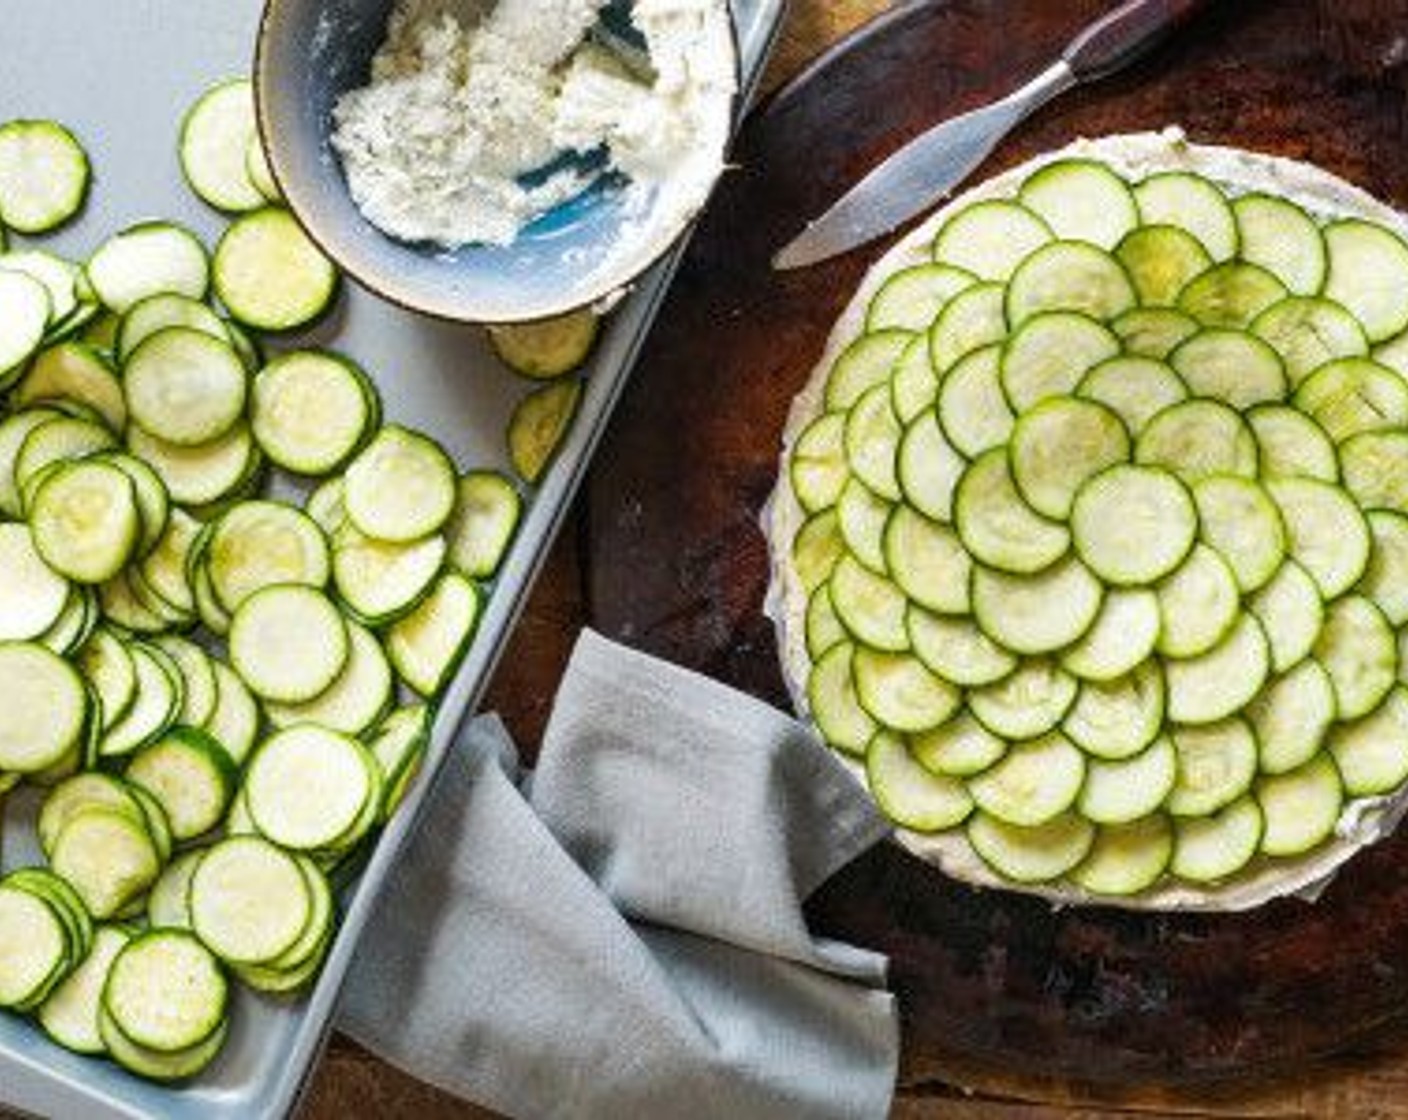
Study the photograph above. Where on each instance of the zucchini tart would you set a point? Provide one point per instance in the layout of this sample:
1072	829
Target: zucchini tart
1091	536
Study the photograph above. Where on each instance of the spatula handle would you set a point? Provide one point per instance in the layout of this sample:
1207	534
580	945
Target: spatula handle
1126	33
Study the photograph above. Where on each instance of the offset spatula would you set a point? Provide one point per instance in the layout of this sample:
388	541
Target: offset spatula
931	165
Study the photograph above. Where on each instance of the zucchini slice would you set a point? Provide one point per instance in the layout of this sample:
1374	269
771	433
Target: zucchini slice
85	521
1308	332
972	320
959	748
1136	389
401	488
539	425
1161	260
1215	684
1213	848
356	700
871	439
311	411
913	384
309	758
165	991
46	708
990	239
1124	791
269	275
831	696
1069	276
1376	469
1283	239
1035	782
549	348
1133	525
1372	753
870	606
158	312
259	544
957	650
1031	855
867	361
1198	604
1368	275
1040	613
74	371
1231	366
1385	582
190	776
862	515
249	900
36	953
214	142
184	386
1359	651
1292	445
1059	444
1153	332
1126	859
929	467
109	858
1197	438
1241	522
816	549
1291	717
26	303
32	594
973	413
288	643
1327	534
911	299
382	582
1301	807
44	175
146	260
1190	202
910	795
1027	703
1123	636
900	693
928	562
1081	200
70	1013
427	645
997	527
817	465
487	512
1353	395
1216	766
1231	294
1115	720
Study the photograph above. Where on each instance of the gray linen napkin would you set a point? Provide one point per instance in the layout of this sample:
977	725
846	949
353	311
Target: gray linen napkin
621	934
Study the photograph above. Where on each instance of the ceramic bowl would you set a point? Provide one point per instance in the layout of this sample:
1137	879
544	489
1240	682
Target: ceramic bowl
309	53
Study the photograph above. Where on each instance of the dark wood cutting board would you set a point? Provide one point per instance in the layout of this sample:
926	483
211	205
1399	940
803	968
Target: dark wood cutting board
990	983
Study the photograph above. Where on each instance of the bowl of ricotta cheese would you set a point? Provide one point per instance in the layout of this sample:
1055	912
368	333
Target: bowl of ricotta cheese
496	161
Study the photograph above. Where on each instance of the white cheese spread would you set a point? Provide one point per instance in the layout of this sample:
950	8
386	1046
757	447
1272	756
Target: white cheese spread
459	136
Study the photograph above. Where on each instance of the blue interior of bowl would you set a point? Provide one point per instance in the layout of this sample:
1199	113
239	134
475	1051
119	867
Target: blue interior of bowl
311	52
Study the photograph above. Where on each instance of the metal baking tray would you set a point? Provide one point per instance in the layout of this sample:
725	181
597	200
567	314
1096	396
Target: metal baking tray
121	75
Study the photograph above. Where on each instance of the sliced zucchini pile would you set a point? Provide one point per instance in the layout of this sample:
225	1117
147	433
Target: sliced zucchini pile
1104	531
230	598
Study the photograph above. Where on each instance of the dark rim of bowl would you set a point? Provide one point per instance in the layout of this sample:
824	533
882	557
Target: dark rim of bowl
262	82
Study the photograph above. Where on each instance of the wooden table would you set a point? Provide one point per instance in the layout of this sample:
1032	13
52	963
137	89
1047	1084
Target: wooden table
1371	1081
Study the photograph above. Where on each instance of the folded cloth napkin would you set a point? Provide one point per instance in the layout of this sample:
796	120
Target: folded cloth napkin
621	935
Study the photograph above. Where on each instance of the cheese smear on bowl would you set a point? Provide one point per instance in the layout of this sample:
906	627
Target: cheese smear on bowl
461	134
